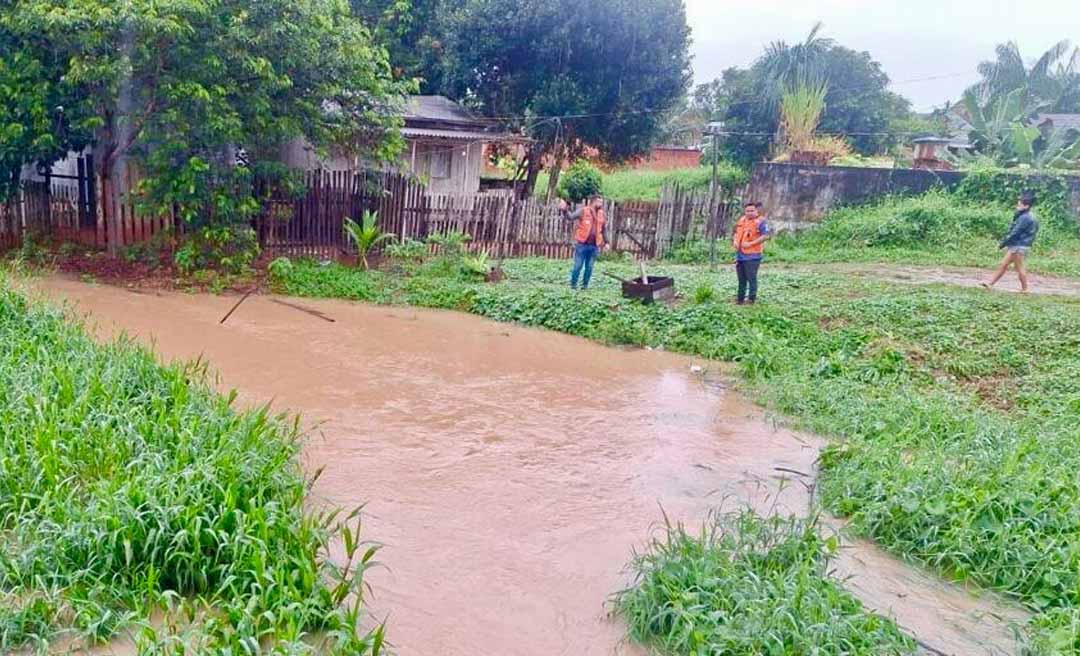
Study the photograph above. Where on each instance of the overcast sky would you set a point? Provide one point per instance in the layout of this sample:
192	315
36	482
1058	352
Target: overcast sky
913	39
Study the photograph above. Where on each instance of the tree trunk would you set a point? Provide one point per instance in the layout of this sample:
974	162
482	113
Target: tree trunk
535	162
114	167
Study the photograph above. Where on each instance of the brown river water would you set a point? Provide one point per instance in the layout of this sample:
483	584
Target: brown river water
510	472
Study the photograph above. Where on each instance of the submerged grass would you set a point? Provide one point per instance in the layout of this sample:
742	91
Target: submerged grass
746	586
129	489
955	413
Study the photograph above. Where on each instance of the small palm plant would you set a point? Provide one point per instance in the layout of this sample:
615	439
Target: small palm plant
365	237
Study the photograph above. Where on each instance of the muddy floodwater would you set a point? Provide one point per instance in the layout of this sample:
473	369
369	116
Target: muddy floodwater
510	472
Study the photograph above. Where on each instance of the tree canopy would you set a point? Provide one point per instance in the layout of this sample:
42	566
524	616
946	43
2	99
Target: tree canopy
1001	109
858	103
610	71
180	86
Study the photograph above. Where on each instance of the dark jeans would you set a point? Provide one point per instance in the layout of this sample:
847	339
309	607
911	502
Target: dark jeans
747	272
584	256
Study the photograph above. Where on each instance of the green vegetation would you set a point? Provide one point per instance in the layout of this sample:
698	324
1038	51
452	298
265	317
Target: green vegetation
128	488
580	182
955	414
734	588
366	236
628	184
959	229
932	229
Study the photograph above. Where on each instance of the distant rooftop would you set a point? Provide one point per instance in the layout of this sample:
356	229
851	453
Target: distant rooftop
1062	121
438	108
439	118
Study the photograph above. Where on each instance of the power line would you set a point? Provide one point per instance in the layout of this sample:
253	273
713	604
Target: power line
870	88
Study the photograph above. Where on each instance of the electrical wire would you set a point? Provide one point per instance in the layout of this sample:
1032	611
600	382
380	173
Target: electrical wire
870	88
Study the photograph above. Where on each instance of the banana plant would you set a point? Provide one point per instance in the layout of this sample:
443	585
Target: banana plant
365	236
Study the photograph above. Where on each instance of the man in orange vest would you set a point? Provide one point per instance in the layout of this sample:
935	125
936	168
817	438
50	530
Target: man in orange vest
751	233
588	238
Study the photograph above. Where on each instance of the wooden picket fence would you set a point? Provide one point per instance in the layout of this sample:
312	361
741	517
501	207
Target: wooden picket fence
69	208
500	224
313	224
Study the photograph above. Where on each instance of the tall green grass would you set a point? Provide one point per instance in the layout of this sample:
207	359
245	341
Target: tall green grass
745	586
935	228
127	488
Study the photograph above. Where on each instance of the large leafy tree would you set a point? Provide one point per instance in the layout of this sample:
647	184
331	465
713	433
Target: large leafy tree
405	29
34	123
858	103
179	86
571	74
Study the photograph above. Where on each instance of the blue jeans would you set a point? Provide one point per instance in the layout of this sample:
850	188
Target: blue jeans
584	256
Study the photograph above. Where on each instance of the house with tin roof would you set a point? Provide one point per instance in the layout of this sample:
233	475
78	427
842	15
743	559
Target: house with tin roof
445	146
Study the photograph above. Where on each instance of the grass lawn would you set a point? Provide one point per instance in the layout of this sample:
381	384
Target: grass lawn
624	185
131	490
954	414
934	229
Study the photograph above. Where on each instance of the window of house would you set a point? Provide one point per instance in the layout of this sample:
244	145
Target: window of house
441	163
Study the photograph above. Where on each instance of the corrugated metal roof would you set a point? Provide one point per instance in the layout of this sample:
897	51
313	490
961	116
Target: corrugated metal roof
458	135
438	108
1062	121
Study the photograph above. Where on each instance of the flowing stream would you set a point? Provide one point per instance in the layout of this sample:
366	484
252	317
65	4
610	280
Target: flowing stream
511	472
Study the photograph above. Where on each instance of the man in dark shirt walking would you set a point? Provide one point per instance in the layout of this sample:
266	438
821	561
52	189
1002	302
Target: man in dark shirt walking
588	238
1018	241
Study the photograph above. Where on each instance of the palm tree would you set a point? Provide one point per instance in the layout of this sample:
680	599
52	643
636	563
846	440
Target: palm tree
1052	83
802	63
365	236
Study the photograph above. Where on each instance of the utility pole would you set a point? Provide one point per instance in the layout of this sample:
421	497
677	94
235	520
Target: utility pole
715	129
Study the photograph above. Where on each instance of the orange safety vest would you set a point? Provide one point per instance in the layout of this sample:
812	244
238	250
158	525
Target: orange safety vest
585	225
746	231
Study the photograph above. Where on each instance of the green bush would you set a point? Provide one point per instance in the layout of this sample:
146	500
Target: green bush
745	586
280	270
933	220
230	248
1003	187
580	182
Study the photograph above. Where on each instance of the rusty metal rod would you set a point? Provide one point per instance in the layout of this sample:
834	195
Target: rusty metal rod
242	299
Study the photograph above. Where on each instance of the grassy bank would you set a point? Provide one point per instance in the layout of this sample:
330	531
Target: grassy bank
955	414
936	229
629	184
735	586
130	490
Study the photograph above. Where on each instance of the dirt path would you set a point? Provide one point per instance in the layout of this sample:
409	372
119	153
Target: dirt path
510	472
961	276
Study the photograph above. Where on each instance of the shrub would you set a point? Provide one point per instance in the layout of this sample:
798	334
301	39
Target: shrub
581	181
409	250
280	270
704	293
745	586
231	248
933	219
365	236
